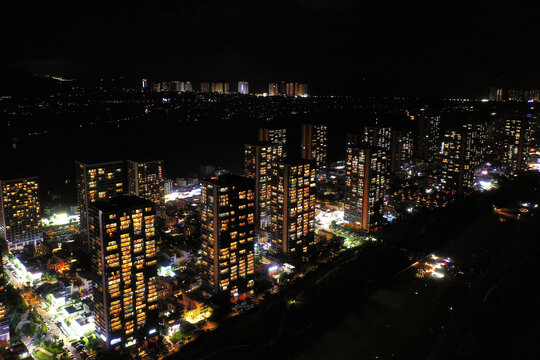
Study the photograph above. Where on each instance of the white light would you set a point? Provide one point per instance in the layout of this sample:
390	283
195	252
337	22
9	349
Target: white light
116	341
152	331
485	100
273	268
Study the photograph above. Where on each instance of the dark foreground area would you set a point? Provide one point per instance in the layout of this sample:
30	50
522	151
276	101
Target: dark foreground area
365	306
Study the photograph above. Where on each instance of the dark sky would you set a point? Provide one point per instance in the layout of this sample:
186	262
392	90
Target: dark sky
446	48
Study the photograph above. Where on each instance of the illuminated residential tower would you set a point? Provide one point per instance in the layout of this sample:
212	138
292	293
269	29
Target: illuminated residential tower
4	316
428	144
145	180
457	161
20	212
378	136
516	135
227	233
314	144
123	254
293	208
366	182
401	149
274	136
273	89
97	182
243	87
258	163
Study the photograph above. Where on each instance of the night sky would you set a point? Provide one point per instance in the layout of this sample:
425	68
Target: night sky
336	46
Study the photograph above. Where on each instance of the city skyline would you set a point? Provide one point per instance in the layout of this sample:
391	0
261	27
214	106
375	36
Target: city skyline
303	179
396	52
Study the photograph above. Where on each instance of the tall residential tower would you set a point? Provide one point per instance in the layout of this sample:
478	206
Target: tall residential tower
258	163
97	182
20	212
123	254
293	208
366	182
314	144
145	180
228	235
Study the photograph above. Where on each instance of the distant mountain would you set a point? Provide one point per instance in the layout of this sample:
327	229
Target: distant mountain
15	82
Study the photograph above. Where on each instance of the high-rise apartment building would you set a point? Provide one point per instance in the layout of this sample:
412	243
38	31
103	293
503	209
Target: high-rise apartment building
20	212
228	233
401	149
314	144
516	135
301	90
243	87
378	136
273	89
478	131
97	182
205	87
515	95
177	86
457	161
274	136
123	255
145	180
217	88
428	143
531	95
366	183
188	86
289	89
4	315
293	208
495	94
258	164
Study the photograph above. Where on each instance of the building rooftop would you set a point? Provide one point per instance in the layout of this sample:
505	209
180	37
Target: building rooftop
263	143
98	163
121	202
295	162
144	161
228	179
16	177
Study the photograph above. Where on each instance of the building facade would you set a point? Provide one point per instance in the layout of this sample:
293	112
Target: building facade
20	212
274	136
4	315
314	144
428	143
258	160
123	250
401	150
243	87
516	135
293	208
97	182
145	180
457	162
366	183
228	235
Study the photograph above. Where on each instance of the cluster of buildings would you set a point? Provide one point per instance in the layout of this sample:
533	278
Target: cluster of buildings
241	87
499	94
273	203
288	89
